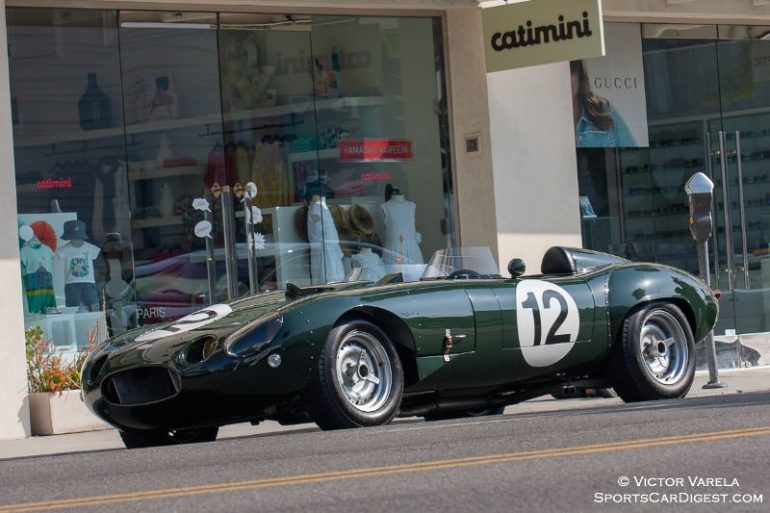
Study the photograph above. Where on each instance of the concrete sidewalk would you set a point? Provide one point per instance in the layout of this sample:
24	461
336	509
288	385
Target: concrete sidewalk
739	380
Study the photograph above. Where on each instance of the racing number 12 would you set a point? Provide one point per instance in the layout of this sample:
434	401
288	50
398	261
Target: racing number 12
548	296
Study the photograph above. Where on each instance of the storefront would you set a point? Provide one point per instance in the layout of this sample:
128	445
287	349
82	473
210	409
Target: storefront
136	134
168	159
707	97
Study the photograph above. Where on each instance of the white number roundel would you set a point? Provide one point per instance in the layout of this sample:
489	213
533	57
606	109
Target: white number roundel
188	323
548	322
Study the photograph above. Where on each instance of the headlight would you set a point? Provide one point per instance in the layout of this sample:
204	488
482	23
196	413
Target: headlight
199	351
254	337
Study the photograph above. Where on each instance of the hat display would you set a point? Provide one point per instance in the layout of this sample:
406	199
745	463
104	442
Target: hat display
74	230
340	217
361	219
300	221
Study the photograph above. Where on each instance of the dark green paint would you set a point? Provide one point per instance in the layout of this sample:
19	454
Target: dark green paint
225	389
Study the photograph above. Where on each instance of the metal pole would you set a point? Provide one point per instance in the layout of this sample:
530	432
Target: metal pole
729	249
211	265
711	351
228	228
709	161
742	206
252	254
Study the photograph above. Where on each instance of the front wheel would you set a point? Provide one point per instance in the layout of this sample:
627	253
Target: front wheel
359	379
655	357
135	439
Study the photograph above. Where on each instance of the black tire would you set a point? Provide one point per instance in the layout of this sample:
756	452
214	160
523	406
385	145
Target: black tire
328	398
657	337
136	439
464	414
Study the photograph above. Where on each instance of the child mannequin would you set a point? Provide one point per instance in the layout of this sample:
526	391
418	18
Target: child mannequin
79	277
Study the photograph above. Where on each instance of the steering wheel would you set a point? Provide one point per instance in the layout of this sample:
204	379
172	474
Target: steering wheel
464	274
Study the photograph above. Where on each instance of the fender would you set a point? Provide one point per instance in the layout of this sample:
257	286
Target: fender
631	286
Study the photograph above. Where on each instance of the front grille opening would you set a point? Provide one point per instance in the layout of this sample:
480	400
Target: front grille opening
140	386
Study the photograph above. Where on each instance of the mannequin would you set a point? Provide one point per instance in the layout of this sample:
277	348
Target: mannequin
325	253
401	236
370	263
37	265
79	276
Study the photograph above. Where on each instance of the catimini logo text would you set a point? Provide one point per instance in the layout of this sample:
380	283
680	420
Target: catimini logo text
529	35
54	183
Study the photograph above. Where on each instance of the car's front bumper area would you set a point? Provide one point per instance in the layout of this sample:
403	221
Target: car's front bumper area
166	395
157	397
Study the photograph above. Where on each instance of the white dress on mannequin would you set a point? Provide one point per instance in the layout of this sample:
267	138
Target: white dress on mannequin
325	252
400	231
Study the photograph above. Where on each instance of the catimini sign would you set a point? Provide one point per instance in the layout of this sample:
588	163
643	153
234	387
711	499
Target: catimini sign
542	31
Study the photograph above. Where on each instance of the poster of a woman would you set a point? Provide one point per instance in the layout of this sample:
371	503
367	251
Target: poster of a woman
597	123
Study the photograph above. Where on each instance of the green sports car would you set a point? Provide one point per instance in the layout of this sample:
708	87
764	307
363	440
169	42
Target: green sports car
461	341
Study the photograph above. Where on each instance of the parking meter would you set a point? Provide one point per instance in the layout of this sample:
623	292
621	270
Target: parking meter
700	196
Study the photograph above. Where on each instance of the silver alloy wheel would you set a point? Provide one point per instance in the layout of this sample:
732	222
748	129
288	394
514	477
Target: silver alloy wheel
364	372
664	348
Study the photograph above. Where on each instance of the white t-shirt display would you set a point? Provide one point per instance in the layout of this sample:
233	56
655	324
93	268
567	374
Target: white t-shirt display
36	255
400	231
325	253
78	262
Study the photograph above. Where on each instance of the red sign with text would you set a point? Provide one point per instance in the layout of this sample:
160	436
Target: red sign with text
375	149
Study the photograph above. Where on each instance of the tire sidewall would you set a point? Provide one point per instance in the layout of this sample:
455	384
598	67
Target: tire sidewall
646	385
329	374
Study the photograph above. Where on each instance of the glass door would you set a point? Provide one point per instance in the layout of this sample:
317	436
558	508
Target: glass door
741	153
179	183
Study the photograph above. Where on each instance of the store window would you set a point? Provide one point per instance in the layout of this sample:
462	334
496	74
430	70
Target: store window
177	159
706	93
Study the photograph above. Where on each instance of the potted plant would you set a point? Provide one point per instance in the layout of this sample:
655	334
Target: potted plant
54	385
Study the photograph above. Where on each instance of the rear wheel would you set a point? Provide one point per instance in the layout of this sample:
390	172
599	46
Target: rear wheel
655	357
135	439
464	414
359	379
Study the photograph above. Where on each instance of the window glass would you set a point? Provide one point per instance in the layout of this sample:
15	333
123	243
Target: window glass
170	160
74	232
378	155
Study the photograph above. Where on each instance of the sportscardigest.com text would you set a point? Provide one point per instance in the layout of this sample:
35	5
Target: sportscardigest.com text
698	490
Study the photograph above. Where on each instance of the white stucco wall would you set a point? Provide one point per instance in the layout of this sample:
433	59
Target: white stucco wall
535	168
14	408
467	84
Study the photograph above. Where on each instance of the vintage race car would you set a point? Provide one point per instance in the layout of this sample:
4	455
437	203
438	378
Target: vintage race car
461	341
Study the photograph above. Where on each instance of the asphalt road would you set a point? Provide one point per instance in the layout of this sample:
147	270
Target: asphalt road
558	461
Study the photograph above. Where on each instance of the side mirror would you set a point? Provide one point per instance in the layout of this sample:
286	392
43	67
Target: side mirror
516	267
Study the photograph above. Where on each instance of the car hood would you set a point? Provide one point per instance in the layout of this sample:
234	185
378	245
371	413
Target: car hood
225	318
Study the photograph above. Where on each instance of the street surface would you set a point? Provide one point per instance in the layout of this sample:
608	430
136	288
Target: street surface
605	458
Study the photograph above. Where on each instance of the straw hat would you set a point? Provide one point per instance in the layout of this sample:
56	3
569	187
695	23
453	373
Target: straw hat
361	220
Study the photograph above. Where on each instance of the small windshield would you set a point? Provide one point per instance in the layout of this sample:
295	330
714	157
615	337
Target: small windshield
468	263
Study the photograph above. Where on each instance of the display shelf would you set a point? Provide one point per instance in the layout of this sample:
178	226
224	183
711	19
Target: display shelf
173	124
164	172
67	136
77	135
156	222
326	154
306	106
